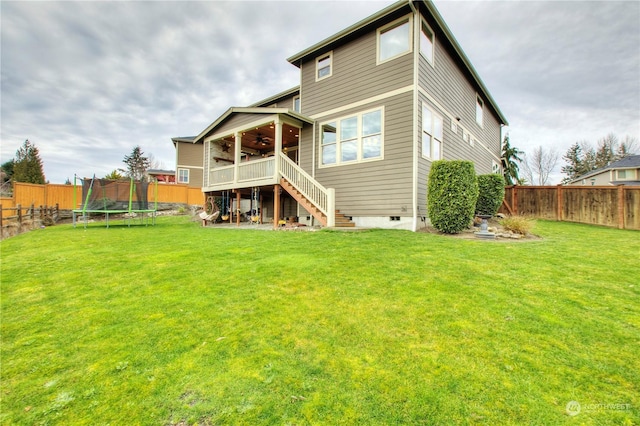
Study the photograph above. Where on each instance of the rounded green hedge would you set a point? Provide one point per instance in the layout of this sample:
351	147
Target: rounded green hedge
490	194
452	194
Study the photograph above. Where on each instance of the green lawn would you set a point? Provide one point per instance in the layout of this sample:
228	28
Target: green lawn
176	324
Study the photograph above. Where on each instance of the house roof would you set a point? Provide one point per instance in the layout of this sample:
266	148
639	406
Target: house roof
375	19
630	162
187	139
275	98
250	110
160	172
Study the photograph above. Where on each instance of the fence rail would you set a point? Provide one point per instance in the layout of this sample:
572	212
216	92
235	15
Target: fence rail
26	215
615	206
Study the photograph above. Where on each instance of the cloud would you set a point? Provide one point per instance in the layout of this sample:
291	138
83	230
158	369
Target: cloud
87	81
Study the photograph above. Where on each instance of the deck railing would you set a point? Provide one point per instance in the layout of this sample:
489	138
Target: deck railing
261	170
221	175
256	170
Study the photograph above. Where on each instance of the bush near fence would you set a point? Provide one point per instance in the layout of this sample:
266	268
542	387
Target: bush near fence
615	206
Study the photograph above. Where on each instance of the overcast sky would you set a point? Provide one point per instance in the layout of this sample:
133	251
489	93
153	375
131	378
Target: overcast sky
87	81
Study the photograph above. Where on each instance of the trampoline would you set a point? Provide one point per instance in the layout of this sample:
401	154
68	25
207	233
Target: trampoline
109	197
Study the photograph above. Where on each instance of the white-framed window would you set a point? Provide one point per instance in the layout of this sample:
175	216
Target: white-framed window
432	134
352	139
394	40
479	111
183	175
324	66
427	42
624	174
472	141
465	135
296	103
495	167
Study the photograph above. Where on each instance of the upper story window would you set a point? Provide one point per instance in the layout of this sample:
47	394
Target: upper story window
495	167
479	111
432	134
352	139
183	175
394	40
296	103
426	42
324	66
625	174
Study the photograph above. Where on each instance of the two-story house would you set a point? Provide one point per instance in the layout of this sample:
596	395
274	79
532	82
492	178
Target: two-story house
377	103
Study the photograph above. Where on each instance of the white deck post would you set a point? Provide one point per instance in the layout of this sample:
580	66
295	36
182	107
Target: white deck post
237	156
278	147
331	207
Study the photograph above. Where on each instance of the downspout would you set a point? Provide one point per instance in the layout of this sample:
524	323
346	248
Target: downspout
414	155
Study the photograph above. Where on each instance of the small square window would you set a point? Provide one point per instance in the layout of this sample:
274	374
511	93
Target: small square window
454	126
296	104
495	167
324	66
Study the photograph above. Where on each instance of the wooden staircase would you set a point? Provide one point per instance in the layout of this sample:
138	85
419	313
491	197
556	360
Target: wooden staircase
341	221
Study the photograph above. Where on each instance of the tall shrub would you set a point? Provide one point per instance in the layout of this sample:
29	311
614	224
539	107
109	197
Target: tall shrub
452	195
490	194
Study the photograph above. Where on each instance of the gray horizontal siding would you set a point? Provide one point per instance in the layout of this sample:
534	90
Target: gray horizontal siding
374	188
451	88
189	154
355	76
237	120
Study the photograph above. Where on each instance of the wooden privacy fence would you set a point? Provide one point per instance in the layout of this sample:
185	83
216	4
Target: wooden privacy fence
51	194
616	206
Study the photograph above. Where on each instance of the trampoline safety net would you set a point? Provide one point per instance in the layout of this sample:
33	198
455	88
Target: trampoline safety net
105	194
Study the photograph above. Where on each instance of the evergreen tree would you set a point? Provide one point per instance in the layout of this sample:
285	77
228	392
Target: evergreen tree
582	158
511	156
28	165
137	164
574	163
7	169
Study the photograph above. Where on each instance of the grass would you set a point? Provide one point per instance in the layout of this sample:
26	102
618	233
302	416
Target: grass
176	324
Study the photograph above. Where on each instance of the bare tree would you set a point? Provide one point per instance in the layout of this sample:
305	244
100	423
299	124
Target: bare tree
538	166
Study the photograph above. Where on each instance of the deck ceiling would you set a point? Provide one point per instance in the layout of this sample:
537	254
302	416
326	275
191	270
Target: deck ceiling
263	137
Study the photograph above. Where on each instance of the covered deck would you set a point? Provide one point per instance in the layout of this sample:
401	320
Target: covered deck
257	148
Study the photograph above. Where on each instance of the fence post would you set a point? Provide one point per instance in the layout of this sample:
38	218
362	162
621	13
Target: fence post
514	200
621	214
559	205
33	212
42	212
19	209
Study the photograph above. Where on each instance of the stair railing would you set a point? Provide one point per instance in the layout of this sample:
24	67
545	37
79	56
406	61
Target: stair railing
321	197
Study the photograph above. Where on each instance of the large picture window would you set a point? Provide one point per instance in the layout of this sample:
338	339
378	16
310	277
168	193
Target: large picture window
352	139
432	134
394	40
